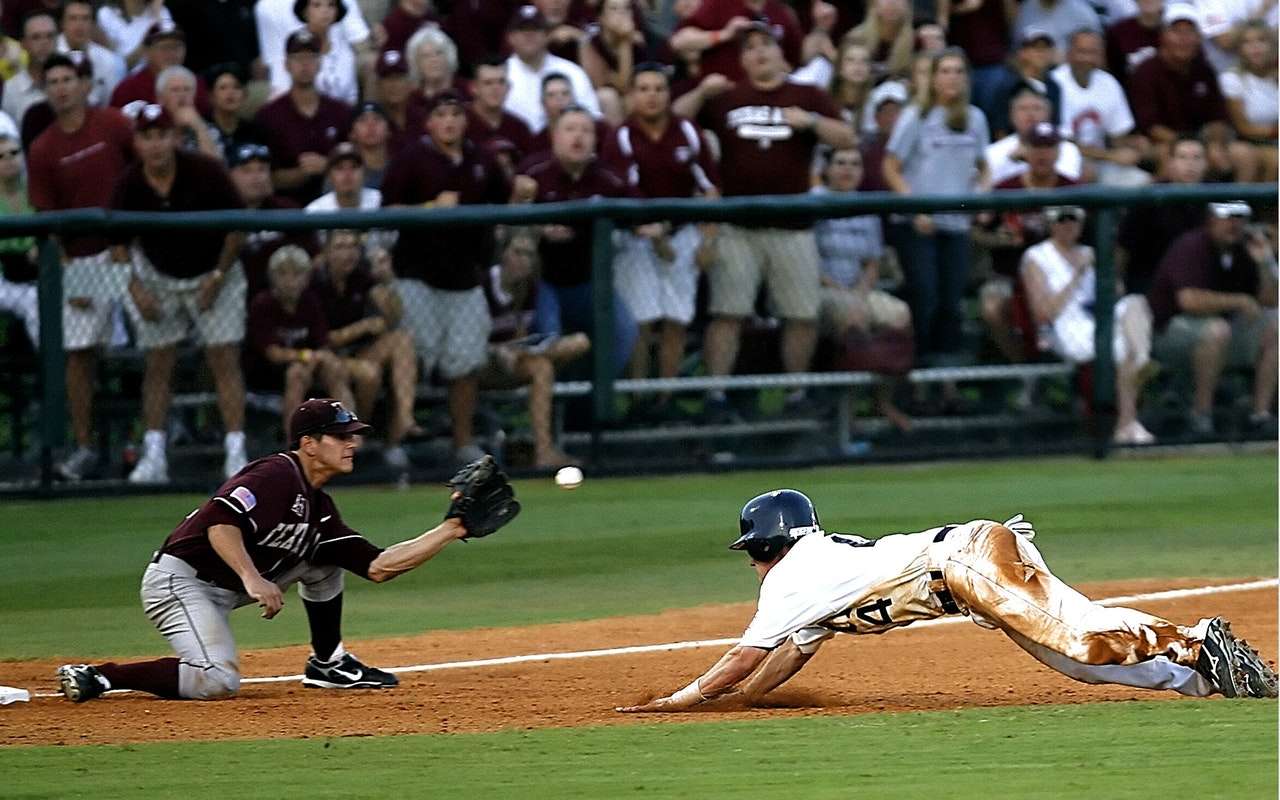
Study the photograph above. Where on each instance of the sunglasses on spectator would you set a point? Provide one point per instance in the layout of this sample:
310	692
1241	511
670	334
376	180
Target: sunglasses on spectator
251	151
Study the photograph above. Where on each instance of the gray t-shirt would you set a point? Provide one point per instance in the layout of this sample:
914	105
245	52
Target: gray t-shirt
845	243
1060	20
938	160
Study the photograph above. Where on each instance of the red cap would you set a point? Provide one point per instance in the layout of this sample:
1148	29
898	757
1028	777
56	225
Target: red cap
302	41
324	415
1044	134
391	62
447	97
164	29
150	117
527	18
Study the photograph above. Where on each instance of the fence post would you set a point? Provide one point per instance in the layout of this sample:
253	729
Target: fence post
1104	365
601	330
53	394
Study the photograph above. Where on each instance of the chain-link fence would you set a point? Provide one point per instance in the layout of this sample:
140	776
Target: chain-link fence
625	334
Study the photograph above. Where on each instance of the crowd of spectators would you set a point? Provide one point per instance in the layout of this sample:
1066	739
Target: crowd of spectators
363	104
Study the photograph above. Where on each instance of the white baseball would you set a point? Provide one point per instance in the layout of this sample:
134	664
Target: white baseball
569	478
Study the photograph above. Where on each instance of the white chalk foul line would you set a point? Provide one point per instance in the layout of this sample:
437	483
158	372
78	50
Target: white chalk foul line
659	648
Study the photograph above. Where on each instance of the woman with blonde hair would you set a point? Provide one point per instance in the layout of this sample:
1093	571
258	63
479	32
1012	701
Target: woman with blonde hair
1250	91
888	34
851	85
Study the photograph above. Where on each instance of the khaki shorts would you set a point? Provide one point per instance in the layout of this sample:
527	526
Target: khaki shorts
222	323
868	311
105	285
785	260
1173	346
450	329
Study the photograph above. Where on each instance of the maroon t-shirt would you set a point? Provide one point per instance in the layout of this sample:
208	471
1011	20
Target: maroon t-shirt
725	57
445	258
259	246
289	134
510	129
1129	43
1183	101
348	306
983	34
540	143
200	183
270	323
141	87
759	152
400	26
80	169
569	263
283	519
1193	261
677	164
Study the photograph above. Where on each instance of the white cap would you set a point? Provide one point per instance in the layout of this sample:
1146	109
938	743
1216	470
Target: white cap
889	90
1175	12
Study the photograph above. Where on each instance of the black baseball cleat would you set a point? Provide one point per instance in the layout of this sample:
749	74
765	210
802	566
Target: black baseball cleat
1217	657
345	672
81	682
1255	676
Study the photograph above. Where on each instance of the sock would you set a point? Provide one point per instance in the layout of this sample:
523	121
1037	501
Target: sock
325	620
153	443
159	677
233	442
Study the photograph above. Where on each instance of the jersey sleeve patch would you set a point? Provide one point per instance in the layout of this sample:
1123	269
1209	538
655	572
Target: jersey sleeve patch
245	497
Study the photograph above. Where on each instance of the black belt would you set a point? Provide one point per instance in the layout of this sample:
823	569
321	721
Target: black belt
201	575
935	578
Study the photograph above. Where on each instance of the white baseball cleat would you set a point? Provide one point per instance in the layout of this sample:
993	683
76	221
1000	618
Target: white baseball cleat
151	469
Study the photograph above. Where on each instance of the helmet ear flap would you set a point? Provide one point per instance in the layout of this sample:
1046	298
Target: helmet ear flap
763	550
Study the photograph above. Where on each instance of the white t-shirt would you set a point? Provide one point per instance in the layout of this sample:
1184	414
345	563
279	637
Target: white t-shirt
126	35
276	21
1092	113
1261	102
370	200
337	76
1219	16
525	98
1000	161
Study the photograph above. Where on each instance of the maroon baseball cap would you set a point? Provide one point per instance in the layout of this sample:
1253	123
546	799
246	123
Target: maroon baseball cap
164	29
152	117
1044	134
445	98
345	151
527	18
302	41
763	26
321	415
391	62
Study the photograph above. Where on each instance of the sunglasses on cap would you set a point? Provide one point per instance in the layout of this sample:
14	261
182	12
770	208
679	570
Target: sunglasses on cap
1068	214
1231	210
248	152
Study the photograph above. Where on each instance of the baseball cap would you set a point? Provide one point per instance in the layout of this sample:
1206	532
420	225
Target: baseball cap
249	152
1177	12
370	107
152	116
886	92
447	97
302	41
164	29
1064	213
527	18
391	62
774	32
73	59
324	415
1043	134
1032	35
1231	209
345	151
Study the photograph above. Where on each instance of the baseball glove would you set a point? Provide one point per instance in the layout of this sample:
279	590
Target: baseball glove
485	500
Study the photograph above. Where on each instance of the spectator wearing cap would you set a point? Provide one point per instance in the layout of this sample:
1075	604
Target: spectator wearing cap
433	68
346	176
440	269
1028	111
303	125
1146	231
77	30
1095	114
982	28
277	20
227	124
166	47
182	279
176	92
530	62
1133	40
1029	69
711	33
1058	18
371	135
888	35
124	25
40	115
489	125
1214	302
392	92
250	171
404	19
338	75
884	105
75	163
39	37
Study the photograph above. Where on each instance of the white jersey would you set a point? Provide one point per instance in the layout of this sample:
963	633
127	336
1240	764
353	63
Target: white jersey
848	584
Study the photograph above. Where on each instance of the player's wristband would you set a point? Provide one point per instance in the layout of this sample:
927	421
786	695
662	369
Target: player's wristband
689	695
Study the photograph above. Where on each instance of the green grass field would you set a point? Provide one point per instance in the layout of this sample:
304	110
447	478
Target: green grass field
68	587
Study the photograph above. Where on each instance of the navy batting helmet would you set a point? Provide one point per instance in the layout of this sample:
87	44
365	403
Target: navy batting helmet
772	521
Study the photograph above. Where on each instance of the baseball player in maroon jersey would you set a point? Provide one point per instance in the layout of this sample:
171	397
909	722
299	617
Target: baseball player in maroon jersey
270	526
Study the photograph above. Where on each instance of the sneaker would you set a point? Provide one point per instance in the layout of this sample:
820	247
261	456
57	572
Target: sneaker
1255	676
78	465
396	457
153	468
81	682
468	453
1217	657
233	463
346	673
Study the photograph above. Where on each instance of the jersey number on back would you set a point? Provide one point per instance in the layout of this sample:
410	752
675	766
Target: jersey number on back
875	613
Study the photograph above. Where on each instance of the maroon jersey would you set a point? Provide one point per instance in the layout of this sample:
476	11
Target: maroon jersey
289	134
760	152
510	129
540	143
200	183
140	87
348	305
80	169
1193	261
1129	43
569	263
259	246
400	25
270	323
284	521
676	164
724	58
1182	101
446	258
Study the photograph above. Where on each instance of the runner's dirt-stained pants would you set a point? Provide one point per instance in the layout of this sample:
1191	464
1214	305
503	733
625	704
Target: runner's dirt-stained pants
1001	580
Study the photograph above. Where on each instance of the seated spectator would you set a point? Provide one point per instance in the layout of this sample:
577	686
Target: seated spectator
1146	231
371	134
1096	115
25	89
176	92
1061	286
288	348
406	18
433	67
277	20
1059	18
124	24
886	103
1134	39
166	47
557	95
711	33
517	358
227	125
888	36
1252	103
182	279
338	76
1029	69
850	250
77	30
18	255
1214	303
363	313
612	49
392	91
530	62
982	29
490	127
1006	158
250	170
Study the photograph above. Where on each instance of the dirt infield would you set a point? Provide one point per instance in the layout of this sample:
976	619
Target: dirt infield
943	667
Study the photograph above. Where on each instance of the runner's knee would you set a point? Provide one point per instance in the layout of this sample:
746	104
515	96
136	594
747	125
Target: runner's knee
215	682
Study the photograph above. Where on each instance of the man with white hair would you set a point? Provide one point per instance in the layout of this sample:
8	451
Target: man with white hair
530	62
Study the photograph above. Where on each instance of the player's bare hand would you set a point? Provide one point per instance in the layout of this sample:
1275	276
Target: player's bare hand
660	705
268	595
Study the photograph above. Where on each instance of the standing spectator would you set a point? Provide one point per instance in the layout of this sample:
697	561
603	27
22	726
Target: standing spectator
124	24
656	269
886	103
392	92
77	28
433	67
1134	39
1060	18
982	28
40	115
1006	157
363	313
250	170
1096	115
851	85
227	125
613	48
18	255
39	37
405	19
1028	70
712	32
530	62
278	20
1061	288
76	163
440	269
491	127
371	136
1214	302
888	35
337	76
1146	231
937	148
176	93
166	47
302	125
288	348
566	26
1250	92
557	95
769	129
479	27
182	279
